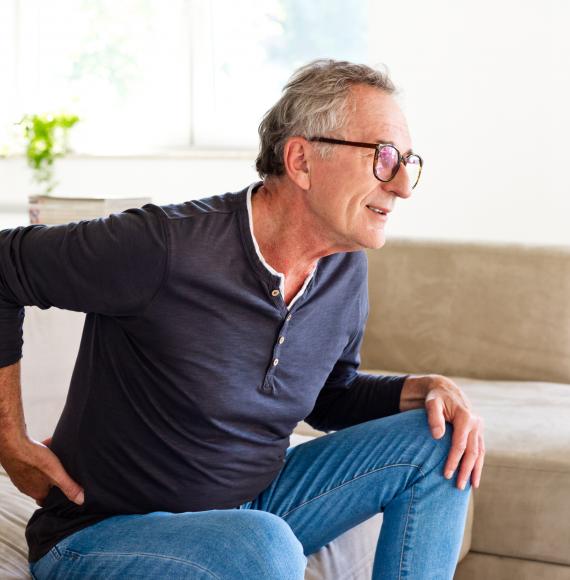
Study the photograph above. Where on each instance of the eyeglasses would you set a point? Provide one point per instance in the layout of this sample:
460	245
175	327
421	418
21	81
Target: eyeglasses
387	159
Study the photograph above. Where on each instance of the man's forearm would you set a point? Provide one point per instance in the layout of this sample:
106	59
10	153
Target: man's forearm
12	424
413	393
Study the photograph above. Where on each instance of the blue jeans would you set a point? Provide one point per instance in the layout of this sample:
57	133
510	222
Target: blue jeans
326	486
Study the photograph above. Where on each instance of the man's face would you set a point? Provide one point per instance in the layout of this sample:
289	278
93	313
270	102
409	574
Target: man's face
343	185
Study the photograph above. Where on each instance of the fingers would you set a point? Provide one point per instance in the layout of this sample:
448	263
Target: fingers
51	467
466	446
72	490
34	469
469	459
461	430
476	475
446	400
436	420
47	442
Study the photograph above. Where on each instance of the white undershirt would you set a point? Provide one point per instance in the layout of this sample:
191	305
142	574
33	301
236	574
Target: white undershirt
262	259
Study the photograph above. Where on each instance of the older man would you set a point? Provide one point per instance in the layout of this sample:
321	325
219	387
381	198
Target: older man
212	328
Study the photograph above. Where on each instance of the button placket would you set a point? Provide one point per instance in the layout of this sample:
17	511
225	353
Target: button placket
268	383
276	295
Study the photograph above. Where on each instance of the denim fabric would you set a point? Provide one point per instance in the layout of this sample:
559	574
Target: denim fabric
326	486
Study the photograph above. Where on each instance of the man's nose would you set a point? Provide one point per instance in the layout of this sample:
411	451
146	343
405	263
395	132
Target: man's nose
401	184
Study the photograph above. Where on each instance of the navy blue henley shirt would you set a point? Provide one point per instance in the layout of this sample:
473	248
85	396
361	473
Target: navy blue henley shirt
192	371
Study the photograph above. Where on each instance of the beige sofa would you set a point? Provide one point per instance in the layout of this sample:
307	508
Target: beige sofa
493	317
496	318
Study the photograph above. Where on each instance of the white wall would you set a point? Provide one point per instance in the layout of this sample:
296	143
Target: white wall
486	88
166	180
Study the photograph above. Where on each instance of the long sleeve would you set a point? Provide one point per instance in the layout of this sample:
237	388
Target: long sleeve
111	266
350	397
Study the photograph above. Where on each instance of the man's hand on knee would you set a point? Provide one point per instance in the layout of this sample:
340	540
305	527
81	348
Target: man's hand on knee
445	401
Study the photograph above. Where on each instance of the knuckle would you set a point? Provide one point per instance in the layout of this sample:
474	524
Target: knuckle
474	422
460	446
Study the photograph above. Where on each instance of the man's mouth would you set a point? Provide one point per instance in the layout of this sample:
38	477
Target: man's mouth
377	210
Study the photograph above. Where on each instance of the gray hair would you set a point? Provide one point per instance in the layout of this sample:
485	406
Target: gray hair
314	103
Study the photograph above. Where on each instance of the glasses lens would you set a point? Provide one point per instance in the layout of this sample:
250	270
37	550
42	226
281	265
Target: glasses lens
386	162
413	168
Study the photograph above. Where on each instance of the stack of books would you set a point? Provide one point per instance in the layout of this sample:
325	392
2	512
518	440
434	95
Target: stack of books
52	210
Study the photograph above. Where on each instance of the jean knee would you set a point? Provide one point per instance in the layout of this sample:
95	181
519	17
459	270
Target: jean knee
421	417
438	448
272	546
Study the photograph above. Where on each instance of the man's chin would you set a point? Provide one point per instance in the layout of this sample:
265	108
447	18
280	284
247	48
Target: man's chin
374	242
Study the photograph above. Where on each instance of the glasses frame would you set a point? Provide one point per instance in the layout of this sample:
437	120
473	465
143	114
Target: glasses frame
377	147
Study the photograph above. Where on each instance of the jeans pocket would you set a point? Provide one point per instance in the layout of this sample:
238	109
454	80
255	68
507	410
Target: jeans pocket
43	568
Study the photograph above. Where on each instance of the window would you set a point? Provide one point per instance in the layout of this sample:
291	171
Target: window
149	74
245	51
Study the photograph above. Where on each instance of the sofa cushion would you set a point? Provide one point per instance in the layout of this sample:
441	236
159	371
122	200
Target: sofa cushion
477	566
522	508
15	511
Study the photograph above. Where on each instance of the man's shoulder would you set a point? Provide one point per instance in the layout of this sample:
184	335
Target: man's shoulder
346	271
356	262
225	203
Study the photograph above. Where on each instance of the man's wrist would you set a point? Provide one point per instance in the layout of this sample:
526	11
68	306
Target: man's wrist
12	438
414	392
12	424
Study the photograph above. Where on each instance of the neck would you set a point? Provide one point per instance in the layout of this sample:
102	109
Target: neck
288	234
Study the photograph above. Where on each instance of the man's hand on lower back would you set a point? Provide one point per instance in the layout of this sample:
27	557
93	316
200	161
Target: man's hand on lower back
34	469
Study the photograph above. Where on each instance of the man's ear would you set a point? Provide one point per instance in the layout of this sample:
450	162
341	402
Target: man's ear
297	157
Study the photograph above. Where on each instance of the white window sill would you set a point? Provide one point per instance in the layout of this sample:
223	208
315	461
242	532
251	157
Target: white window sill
186	153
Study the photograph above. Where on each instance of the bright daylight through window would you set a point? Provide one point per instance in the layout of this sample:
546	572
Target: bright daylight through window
149	75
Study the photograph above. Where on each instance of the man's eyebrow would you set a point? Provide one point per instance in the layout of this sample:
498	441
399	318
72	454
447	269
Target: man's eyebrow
388	142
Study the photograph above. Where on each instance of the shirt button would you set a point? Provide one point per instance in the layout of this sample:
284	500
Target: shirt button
281	339
275	293
275	362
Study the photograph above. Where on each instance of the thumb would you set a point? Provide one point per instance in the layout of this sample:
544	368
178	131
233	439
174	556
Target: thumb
72	490
436	420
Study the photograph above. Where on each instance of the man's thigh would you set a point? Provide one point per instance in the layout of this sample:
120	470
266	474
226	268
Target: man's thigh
216	544
332	483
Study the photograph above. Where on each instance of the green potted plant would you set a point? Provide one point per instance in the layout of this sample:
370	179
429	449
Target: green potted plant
46	140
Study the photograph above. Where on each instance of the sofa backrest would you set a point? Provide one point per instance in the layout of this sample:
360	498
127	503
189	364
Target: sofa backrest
472	309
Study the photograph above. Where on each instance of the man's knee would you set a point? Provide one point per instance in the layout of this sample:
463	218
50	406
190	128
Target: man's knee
418	420
433	451
271	548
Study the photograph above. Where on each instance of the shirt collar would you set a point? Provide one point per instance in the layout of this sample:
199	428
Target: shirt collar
256	245
272	270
